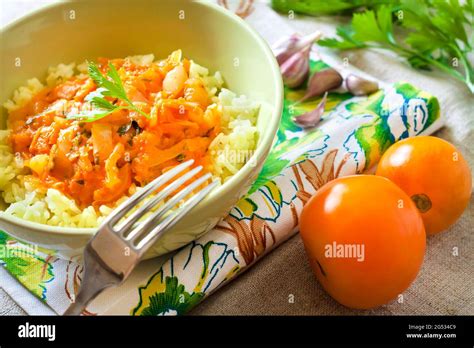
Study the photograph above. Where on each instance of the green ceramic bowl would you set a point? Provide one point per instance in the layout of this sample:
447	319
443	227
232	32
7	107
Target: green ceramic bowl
208	34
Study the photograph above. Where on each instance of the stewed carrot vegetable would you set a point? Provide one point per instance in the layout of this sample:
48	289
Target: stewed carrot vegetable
93	137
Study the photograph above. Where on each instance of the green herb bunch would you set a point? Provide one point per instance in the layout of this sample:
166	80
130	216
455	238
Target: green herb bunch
429	33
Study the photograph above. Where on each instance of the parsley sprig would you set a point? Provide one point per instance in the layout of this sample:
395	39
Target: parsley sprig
431	33
109	85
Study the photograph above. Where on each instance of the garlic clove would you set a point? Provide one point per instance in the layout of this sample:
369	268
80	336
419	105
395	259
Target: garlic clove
321	82
295	69
288	46
284	48
312	118
360	86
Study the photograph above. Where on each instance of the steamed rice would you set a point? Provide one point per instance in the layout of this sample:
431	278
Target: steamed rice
26	199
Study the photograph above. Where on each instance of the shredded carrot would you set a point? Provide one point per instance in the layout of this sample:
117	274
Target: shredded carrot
97	162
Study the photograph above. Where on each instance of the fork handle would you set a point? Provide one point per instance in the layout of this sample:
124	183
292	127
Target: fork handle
80	303
96	279
86	294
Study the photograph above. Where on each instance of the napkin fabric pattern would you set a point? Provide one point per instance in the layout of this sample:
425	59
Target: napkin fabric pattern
354	133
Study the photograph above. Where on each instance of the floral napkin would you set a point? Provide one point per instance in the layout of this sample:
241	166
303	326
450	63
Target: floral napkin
354	133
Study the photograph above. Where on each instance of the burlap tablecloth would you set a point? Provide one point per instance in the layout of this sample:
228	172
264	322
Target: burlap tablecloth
282	283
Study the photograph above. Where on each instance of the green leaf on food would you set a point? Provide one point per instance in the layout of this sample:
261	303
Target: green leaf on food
111	86
97	99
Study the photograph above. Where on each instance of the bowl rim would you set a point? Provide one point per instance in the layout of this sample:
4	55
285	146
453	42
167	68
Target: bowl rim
258	155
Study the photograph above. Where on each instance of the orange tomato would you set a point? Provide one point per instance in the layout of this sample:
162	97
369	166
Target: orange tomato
434	174
364	238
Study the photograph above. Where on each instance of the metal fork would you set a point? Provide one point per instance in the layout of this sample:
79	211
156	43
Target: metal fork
117	247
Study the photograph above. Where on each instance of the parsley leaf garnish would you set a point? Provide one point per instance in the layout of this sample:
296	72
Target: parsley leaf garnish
110	85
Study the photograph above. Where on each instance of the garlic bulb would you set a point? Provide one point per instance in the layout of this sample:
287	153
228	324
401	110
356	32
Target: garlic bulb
288	46
295	69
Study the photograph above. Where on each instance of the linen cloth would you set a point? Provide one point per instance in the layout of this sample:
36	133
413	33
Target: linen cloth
269	301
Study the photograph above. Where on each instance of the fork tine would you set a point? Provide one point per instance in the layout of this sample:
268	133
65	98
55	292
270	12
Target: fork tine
163	194
158	214
126	206
174	218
